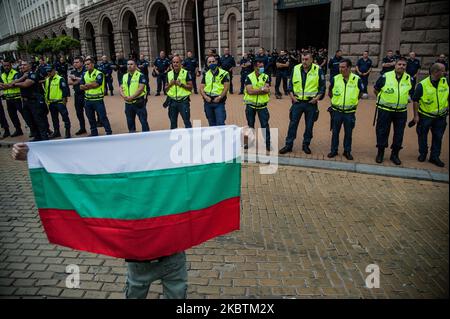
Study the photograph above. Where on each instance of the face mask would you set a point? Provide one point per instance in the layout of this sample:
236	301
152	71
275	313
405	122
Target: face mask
261	70
212	66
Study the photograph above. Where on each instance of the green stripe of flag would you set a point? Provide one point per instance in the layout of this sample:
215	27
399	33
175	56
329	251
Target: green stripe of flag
138	195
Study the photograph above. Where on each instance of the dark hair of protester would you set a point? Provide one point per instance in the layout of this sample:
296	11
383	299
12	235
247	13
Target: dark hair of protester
348	62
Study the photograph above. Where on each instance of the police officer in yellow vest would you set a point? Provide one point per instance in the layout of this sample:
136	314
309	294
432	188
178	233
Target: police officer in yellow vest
133	90
56	93
214	87
93	84
345	91
430	112
392	89
307	86
13	100
256	99
178	89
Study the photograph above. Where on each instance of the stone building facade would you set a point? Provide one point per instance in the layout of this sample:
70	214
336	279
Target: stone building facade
148	26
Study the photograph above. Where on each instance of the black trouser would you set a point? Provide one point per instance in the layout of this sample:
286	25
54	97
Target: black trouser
119	77
183	108
109	84
194	81
79	108
413	86
295	114
14	106
437	127
55	110
36	111
243	79
384	121
3	122
263	115
140	109
365	82
98	107
231	80
161	80
339	119
282	75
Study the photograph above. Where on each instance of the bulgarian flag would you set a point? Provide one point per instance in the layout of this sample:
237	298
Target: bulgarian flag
138	196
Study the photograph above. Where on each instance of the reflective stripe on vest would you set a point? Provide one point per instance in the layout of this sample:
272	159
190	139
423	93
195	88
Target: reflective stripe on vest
394	94
53	92
99	92
311	85
177	92
345	95
434	102
13	93
134	86
213	83
257	83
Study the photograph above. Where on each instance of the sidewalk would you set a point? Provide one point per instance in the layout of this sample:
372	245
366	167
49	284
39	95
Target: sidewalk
305	233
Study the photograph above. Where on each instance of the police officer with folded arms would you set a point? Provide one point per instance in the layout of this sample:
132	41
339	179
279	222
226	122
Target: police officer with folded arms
306	87
345	91
430	113
282	73
246	65
214	88
133	90
256	99
392	90
75	78
161	68
227	63
93	85
13	99
56	93
107	69
191	65
179	89
33	102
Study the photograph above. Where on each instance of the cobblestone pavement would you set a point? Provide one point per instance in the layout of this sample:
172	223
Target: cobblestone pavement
364	140
305	233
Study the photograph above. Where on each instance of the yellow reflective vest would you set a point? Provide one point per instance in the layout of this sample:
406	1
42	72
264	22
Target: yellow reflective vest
13	93
434	102
261	100
213	83
99	92
312	82
394	94
52	89
129	89
177	92
345	95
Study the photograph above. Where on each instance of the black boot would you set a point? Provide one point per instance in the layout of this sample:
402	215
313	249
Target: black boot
18	132
67	133
7	133
380	156
55	134
394	157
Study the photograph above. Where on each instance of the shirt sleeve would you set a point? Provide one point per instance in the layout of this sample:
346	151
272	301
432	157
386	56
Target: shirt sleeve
226	78
99	79
64	88
322	84
142	79
418	93
380	83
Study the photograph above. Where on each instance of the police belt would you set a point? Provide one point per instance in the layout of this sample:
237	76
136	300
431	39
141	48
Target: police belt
30	98
258	107
180	101
136	100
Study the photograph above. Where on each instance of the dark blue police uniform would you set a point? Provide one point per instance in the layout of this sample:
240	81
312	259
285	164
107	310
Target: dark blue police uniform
190	65
227	62
364	66
107	69
79	99
412	68
162	65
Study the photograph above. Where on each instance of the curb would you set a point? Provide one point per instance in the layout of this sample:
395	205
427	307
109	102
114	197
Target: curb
410	173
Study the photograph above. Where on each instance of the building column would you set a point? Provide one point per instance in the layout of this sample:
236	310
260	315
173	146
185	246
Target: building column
102	45
189	33
152	42
335	27
118	42
176	36
143	38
